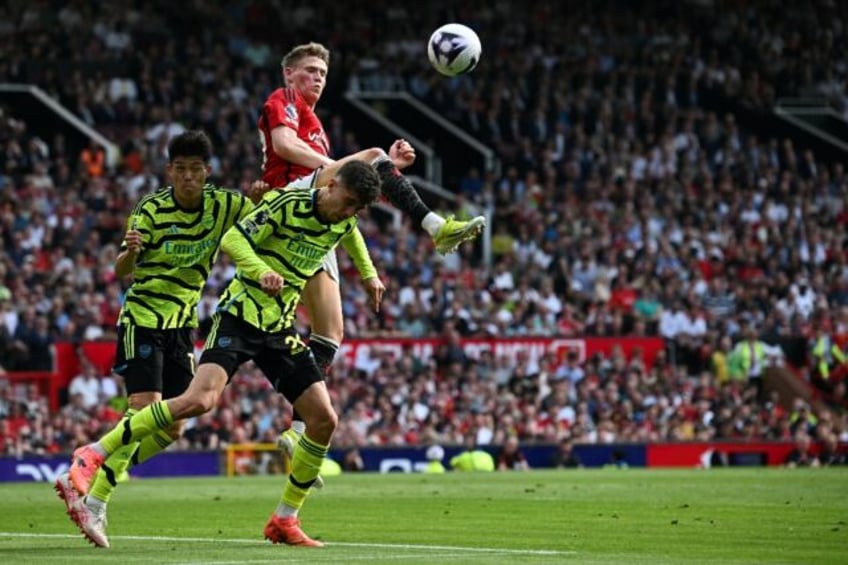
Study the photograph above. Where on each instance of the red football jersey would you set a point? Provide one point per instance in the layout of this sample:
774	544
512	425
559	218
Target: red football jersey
286	107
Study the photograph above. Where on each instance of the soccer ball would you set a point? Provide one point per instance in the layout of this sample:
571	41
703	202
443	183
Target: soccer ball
454	49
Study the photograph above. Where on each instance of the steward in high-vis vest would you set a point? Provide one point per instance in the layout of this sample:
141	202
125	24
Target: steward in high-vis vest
827	355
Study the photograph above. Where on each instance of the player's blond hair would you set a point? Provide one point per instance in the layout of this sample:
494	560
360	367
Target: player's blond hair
293	57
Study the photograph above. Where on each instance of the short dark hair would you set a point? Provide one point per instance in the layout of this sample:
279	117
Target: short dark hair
192	143
362	179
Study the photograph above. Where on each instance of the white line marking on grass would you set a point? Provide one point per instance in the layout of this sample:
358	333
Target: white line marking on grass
505	551
313	557
446	548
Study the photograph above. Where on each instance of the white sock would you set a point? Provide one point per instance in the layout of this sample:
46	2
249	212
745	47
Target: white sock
99	449
298	426
284	510
94	503
432	223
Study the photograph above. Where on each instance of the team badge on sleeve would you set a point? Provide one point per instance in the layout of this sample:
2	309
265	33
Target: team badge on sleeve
291	112
252	225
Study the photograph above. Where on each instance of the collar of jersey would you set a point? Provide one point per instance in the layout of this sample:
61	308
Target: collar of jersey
180	207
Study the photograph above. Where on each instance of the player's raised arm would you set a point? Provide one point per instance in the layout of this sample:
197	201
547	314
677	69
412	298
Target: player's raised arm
401	154
354	244
239	242
287	145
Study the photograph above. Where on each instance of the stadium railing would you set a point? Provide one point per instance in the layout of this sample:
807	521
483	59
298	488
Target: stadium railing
30	101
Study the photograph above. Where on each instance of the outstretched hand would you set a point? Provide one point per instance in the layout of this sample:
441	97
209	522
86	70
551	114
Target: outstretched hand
375	289
402	154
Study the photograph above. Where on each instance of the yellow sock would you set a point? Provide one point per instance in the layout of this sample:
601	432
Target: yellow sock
305	467
153	417
116	468
155	443
110	473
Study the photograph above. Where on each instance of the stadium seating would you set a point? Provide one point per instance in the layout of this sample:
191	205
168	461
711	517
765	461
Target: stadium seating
636	199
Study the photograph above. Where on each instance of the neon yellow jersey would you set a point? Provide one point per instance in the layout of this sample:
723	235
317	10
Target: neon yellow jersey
285	233
477	460
179	248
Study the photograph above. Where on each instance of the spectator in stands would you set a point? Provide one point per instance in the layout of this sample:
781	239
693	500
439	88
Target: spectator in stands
647	183
511	458
802	455
565	458
571	369
720	359
828	359
751	358
93	160
88	386
831	454
34	342
802	419
352	460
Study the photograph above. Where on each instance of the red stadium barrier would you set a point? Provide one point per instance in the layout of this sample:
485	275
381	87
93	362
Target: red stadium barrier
535	347
48	384
102	353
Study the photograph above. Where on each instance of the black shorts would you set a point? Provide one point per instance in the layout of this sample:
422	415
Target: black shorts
287	362
152	360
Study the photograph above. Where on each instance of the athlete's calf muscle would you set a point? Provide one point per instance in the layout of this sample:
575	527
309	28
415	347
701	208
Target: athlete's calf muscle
203	393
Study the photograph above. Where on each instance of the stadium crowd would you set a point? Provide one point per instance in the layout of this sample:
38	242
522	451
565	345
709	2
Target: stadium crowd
626	207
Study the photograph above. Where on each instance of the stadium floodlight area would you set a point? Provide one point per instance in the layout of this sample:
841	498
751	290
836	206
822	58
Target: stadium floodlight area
488	157
18	94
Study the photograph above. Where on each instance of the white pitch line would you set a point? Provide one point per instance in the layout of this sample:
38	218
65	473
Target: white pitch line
489	550
347	558
506	551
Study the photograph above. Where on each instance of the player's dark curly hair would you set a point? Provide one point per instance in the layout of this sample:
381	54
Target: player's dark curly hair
361	179
192	143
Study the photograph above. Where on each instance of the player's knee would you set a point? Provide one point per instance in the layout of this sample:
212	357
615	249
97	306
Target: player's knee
202	402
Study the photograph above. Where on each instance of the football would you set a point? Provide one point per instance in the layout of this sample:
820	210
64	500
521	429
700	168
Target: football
454	49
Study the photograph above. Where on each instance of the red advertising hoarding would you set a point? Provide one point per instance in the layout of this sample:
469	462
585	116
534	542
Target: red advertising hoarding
102	353
702	454
585	348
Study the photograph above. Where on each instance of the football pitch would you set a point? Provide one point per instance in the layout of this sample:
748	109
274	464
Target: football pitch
583	516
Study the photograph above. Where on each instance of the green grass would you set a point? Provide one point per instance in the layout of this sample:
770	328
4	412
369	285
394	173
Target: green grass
592	516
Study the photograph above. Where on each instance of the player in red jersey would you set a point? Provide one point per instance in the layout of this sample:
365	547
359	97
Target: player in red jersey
294	144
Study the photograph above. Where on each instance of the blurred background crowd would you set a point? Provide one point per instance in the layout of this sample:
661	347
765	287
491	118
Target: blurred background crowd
636	197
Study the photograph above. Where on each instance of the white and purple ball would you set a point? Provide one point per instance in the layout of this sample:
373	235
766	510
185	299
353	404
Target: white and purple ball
454	49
